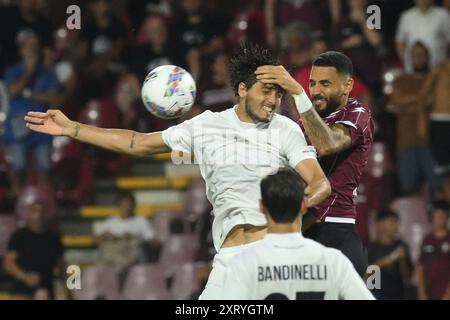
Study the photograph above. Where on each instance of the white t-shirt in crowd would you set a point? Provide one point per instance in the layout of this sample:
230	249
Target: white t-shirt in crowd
289	266
432	29
233	157
136	226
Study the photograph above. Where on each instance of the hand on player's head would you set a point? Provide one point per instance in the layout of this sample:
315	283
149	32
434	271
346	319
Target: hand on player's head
280	76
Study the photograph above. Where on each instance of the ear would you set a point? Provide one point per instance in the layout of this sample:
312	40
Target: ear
261	207
304	206
242	90
348	86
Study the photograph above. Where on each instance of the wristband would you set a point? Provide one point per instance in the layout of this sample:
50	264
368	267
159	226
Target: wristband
302	102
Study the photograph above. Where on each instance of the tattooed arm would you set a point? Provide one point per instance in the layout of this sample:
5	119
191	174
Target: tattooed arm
54	122
327	140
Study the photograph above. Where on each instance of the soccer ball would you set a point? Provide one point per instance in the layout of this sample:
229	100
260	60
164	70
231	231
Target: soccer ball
168	91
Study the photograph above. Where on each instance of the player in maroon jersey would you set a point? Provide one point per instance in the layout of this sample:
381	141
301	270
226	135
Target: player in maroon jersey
341	129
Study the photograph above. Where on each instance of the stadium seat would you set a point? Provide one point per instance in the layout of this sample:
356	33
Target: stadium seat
71	172
414	223
178	249
185	282
380	162
98	282
146	282
166	221
196	201
104	113
7	228
101	113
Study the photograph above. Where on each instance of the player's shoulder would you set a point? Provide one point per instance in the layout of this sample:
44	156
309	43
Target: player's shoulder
355	106
356	111
208	117
337	259
330	254
282	122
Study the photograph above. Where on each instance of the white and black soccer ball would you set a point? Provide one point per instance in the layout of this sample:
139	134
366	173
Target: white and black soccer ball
168	91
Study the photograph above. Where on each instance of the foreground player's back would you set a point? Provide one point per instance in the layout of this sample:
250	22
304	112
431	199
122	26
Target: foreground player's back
289	266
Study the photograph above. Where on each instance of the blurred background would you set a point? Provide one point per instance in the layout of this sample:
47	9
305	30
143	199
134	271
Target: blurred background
140	228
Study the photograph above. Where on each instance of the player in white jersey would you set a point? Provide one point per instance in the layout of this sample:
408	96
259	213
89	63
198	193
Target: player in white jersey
235	149
284	264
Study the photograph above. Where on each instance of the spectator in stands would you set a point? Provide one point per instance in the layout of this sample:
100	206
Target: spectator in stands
17	18
103	33
280	14
138	10
196	32
296	46
320	44
414	158
215	92
358	42
425	23
121	240
31	86
33	253
248	25
391	255
432	270
154	48
436	93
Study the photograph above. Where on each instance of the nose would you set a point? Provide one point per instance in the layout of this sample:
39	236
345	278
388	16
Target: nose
272	97
315	90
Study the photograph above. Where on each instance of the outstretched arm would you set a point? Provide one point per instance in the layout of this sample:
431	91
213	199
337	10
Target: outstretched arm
54	122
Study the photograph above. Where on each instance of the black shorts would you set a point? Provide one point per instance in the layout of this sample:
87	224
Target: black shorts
344	237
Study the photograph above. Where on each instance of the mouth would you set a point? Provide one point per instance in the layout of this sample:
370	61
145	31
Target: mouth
268	110
319	101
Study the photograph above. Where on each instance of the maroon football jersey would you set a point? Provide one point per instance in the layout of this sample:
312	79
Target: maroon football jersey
435	258
344	169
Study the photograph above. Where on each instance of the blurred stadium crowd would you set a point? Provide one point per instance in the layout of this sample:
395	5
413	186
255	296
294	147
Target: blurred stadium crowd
64	203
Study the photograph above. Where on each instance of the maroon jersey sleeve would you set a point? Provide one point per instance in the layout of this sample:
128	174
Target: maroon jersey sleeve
360	124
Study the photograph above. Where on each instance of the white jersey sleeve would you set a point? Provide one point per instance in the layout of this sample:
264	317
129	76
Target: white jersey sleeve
295	147
181	136
349	284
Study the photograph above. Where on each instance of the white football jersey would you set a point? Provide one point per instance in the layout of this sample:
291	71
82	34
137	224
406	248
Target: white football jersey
289	266
233	157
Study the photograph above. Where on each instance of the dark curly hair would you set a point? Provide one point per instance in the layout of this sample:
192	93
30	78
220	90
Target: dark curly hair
247	59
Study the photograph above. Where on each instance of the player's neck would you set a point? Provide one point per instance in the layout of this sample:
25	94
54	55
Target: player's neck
344	102
243	115
283	228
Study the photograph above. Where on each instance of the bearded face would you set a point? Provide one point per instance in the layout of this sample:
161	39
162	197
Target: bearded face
328	89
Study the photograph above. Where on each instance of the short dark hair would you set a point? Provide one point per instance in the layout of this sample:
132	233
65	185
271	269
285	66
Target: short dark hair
244	63
335	59
386	213
282	195
127	195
